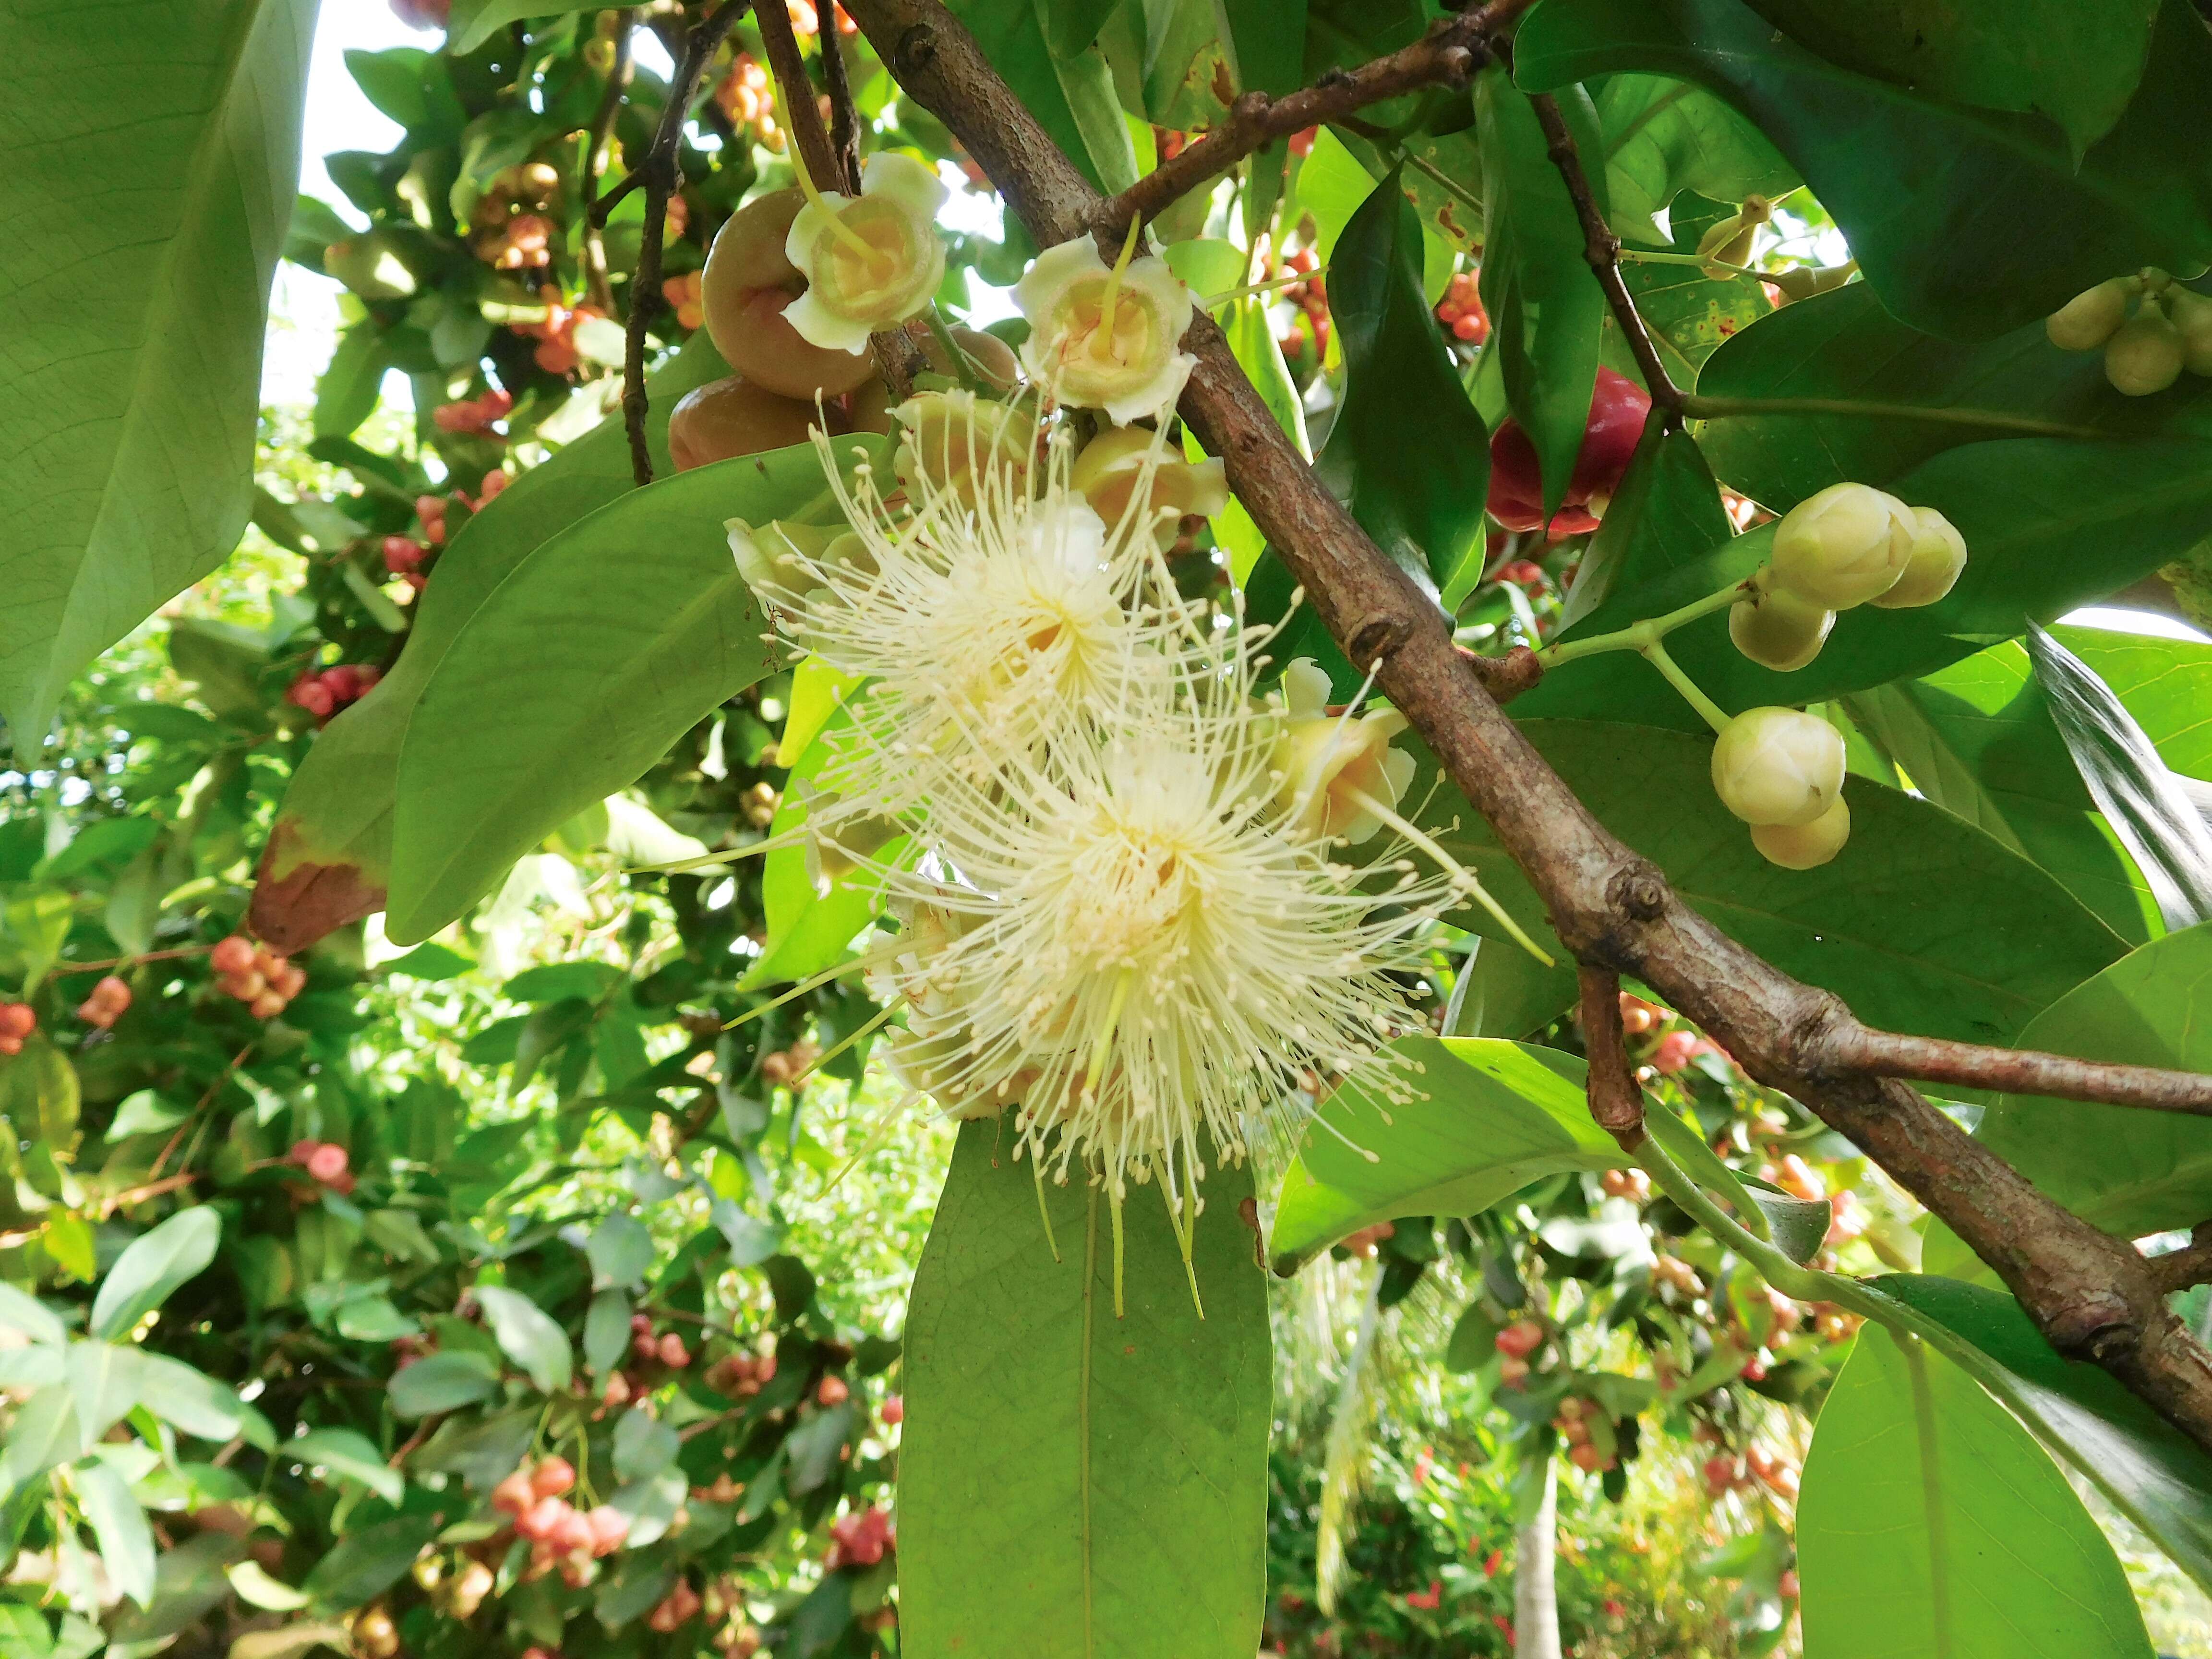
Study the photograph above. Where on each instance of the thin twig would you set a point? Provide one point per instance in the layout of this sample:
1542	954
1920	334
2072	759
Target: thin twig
1448	54
844	119
63	969
1602	249
2019	1071
595	161
1616	1104
2177	1270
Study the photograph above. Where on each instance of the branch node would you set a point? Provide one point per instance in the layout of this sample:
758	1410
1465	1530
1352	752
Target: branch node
1378	638
1638	891
915	50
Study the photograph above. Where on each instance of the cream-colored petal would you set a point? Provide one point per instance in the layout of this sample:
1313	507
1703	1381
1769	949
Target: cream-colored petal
901	179
807	229
1152	277
819	326
1398	769
1156	395
1209	486
1305	686
1052	272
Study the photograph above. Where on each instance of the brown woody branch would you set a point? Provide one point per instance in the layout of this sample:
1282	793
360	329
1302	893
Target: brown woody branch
2092	1295
660	174
2177	1270
844	119
1447	56
1616	1104
2020	1071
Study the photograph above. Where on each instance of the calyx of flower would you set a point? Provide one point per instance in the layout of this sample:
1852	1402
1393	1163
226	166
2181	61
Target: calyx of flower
1843	546
1939	553
871	262
1331	766
1778	765
1128	464
778	559
1105	337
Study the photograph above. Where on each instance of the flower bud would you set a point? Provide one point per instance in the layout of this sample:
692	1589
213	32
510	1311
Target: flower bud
872	262
2146	354
1939	553
1728	244
1117	463
777	560
2093	317
1804	846
1803	282
1843	546
1103	339
1778	765
1326	762
1779	630
961	443
2193	316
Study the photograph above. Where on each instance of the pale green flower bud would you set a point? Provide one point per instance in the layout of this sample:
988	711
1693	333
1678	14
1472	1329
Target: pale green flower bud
2093	317
778	559
1779	630
1330	767
1804	846
1843	545
1939	553
2146	354
2193	316
1778	765
1111	467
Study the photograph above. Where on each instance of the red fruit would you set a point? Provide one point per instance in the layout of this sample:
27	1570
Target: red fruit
1786	1586
289	980
552	1477
308	692
1619	408
302	1150
267	1006
233	954
609	1528
641	1325
539	1522
1587	1457
1426	1600
515	1494
402	554
1674	1052
17	1020
327	1163
1520	1339
574	1536
1720	1474
11	1045
643	1346
894	1411
833	1391
673	1352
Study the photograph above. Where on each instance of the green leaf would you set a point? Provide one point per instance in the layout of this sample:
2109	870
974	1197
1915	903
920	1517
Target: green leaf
188	1581
22	1312
2166	684
144	1113
368	1562
475	22
188	1399
555	980
1664	136
1546	312
652	1504
2027	508
1877	398
1800	1225
1114	1471
594	654
127	1542
2146	806
44	1433
528	1337
644	1445
1966	222
39	1095
811	1450
1666	516
2128	1172
1931	1523
606	1331
1977	738
154	1265
2158	1476
343	1452
1922	923
1487	1118
39	921
329	858
107	1381
1422	503
2076	61
1012	35
346	394
256	1588
621	1252
807	929
1688	315
153	181
1266	42
442	1382
432	961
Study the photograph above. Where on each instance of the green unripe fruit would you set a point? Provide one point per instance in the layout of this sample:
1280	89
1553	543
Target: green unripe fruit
2193	316
1804	846
2091	318
2146	355
1778	765
1939	553
1843	546
1779	630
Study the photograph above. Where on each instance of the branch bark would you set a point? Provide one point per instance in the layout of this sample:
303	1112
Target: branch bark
2092	1295
1616	1104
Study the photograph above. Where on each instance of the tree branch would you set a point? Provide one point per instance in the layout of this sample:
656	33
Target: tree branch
844	119
2177	1270
1601	248
2092	1295
1616	1104
2019	1071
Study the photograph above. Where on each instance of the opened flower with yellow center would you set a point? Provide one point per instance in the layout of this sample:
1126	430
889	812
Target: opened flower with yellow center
871	261
1106	336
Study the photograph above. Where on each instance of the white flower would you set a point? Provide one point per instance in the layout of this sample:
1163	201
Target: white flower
1335	771
1105	337
871	263
1130	468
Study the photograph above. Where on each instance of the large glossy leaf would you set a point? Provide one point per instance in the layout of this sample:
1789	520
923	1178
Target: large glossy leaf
2076	61
2140	798
1494	1116
1922	923
1966	222
2027	507
1878	397
156	1263
475	22
1422	503
1547	312
1978	739
2158	1475
1072	1483
329	857
1931	1523
601	648
1267	38
1663	137
1688	315
1012	35
2130	1172
151	178
1666	516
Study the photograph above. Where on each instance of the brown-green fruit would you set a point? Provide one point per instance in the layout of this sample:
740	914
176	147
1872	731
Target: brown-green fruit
748	251
730	417
758	343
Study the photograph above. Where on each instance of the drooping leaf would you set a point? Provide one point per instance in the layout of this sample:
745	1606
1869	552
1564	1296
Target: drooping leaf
329	857
369	1562
2143	802
1967	222
528	1336
442	1382
1111	1471
1486	1118
44	1433
126	1542
1546	312
475	22
808	929
153	182
1922	923
155	1264
1931	1523
1422	504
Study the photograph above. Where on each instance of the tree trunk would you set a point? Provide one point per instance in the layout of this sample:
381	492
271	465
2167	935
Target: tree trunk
1535	1600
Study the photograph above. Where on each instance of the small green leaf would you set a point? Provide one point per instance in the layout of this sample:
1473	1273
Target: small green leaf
22	1311
144	1113
368	1562
644	1445
108	1380
621	1252
346	1453
127	1542
442	1382
528	1337
556	981
257	1588
188	1399
155	1264
606	1331
44	1433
